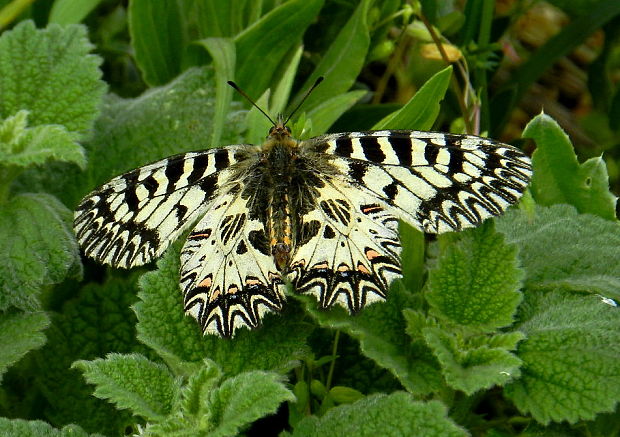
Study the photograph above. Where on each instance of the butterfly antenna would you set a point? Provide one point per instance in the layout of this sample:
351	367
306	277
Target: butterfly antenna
316	83
249	99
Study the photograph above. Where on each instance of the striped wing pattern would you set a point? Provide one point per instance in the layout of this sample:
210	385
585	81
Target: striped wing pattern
228	277
436	182
345	247
351	250
132	219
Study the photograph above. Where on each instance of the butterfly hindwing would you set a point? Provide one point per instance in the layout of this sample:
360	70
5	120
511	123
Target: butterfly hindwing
436	182
228	277
133	218
348	250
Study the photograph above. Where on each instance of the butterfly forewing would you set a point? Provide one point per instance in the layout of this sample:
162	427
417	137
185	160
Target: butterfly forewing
320	213
434	181
132	219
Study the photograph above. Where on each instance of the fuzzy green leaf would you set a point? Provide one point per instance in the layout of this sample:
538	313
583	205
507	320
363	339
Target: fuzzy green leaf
245	398
134	382
50	73
21	146
422	109
380	329
560	248
468	368
267	41
571	357
38	248
476	282
225	409
38	428
395	415
342	62
177	337
195	393
558	176
20	333
157	37
98	321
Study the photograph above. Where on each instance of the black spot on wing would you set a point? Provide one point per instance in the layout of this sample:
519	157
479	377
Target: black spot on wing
372	149
174	171
402	149
357	171
201	163
344	146
430	153
221	159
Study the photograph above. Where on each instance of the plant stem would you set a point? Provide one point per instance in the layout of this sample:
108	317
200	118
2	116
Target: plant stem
332	364
12	11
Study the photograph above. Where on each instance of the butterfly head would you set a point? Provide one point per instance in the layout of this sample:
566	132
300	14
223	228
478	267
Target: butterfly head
279	131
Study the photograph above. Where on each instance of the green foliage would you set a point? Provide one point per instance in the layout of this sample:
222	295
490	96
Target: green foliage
571	358
510	328
395	415
558	176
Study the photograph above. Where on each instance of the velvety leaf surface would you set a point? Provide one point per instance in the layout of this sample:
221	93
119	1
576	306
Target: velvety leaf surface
50	73
560	248
397	414
19	333
38	248
38	428
571	357
133	382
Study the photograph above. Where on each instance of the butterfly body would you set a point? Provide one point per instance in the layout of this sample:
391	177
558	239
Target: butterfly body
321	213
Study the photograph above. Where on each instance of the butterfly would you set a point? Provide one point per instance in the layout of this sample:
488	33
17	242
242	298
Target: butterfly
321	214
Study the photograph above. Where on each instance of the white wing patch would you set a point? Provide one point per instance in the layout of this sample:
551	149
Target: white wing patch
228	278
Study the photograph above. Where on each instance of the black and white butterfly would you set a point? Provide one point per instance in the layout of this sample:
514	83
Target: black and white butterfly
322	213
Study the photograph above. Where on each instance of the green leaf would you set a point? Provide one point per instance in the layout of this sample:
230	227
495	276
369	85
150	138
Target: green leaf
326	113
21	146
476	282
245	398
38	248
468	368
380	329
158	39
195	393
421	111
98	321
342	62
20	333
395	415
177	337
262	46
558	176
222	51
38	428
134	382
50	73
70	11
571	358
560	248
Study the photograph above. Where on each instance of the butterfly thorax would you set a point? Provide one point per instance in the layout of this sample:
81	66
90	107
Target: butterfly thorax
279	166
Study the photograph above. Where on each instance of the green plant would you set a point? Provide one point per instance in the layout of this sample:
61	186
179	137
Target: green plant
507	329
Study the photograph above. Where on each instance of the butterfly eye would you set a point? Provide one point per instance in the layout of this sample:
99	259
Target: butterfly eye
288	129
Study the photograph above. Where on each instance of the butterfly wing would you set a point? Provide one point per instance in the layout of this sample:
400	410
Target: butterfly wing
436	182
132	219
228	277
347	250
